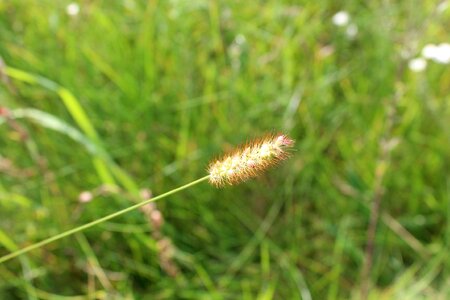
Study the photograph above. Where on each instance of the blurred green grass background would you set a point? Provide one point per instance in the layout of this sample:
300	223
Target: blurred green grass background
102	105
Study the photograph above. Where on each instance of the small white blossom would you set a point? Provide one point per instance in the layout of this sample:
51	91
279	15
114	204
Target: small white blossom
442	6
443	54
85	196
438	53
352	31
235	51
417	64
73	9
341	18
429	51
240	39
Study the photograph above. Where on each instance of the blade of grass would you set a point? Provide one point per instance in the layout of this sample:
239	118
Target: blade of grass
93	261
74	108
101	159
258	236
339	246
28	284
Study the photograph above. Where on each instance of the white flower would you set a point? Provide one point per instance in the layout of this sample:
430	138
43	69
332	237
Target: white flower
439	53
352	31
240	39
442	6
442	55
73	9
235	51
417	64
341	18
85	196
429	51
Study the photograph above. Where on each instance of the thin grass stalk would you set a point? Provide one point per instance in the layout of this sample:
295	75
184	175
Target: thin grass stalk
98	221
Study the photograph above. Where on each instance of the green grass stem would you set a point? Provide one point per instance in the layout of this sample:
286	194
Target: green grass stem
98	221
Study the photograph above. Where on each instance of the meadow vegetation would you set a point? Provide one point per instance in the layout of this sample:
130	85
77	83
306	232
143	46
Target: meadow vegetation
105	103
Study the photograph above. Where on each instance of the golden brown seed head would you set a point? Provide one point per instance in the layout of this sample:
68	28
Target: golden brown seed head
249	160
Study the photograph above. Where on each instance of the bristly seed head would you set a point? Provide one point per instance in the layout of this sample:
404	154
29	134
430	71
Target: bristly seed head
249	160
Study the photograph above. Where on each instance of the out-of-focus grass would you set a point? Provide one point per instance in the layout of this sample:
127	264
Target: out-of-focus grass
154	89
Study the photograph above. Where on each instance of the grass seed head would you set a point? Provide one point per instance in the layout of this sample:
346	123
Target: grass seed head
249	160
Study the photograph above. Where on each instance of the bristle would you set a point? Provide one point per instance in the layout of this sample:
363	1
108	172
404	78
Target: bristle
249	160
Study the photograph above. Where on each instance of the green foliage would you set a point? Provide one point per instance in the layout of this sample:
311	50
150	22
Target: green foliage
130	95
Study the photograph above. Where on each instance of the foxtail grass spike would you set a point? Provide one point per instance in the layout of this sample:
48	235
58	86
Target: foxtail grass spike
249	160
245	162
